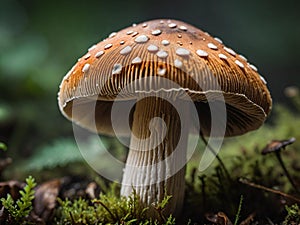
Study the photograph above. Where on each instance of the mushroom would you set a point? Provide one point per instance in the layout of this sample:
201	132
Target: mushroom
131	67
276	146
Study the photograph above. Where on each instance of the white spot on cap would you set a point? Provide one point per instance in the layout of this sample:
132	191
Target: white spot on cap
184	28
108	46
135	33
222	56
161	21
126	50
129	32
122	42
113	34
141	39
253	67
218	40
263	79
172	25
239	63
136	60
134	24
202	53
230	51
162	54
177	63
92	47
161	71
144	25
152	48
117	69
86	68
243	57
98	54
87	56
165	42
156	32
182	52
212	46
179	42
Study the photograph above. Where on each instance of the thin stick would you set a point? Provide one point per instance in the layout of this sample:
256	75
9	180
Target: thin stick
216	155
115	218
251	184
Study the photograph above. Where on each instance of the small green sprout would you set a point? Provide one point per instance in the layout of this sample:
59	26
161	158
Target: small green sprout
293	216
3	147
238	214
20	209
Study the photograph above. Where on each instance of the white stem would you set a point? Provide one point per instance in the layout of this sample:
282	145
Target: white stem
155	165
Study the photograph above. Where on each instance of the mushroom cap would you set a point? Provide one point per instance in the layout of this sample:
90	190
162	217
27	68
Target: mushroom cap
277	145
200	64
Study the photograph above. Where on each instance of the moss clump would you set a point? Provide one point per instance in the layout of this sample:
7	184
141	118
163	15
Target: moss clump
109	208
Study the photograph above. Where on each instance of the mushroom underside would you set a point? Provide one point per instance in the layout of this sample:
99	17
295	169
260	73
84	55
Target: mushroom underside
242	115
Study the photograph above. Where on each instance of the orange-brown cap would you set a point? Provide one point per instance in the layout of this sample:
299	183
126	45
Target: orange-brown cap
200	64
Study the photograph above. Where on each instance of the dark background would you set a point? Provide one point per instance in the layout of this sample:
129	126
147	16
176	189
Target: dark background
41	40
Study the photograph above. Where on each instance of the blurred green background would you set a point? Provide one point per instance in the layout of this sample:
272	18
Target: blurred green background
41	40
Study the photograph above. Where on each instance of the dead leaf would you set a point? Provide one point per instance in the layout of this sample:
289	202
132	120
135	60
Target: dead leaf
45	198
11	187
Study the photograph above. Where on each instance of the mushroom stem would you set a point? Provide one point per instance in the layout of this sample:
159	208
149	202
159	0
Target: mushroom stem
155	164
286	172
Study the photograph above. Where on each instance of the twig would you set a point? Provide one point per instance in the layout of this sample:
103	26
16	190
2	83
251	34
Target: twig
251	184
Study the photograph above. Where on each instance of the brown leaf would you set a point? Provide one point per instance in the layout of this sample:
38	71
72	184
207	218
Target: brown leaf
91	189
219	219
11	187
45	198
